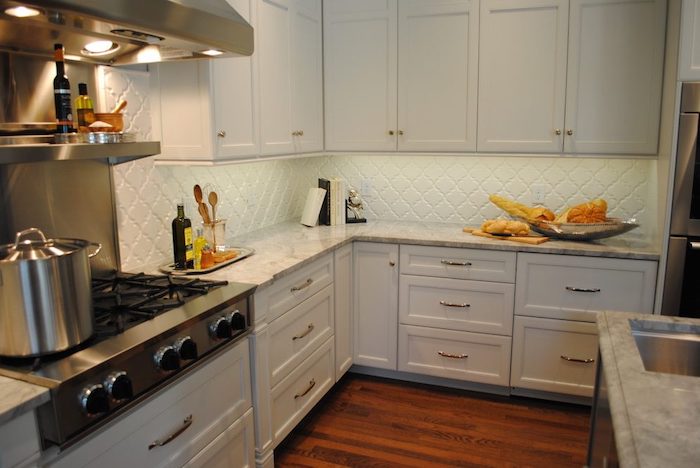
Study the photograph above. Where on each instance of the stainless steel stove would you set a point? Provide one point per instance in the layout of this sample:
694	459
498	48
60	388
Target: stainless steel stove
150	330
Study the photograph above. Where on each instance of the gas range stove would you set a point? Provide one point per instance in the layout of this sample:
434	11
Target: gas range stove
149	330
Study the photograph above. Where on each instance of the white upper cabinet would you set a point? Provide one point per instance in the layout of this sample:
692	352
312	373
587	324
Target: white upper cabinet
291	73
581	77
689	54
401	75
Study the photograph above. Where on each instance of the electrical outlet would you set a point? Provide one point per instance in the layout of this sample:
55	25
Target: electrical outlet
538	194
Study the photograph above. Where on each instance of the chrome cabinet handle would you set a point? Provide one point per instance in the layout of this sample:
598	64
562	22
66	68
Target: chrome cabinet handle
452	304
453	356
570	359
569	132
557	131
452	262
303	286
308	330
694	245
586	290
159	443
221	133
312	384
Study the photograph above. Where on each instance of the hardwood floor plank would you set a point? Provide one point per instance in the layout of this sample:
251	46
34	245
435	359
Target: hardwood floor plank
368	421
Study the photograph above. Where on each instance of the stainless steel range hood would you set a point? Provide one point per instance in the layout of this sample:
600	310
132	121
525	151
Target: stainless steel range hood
141	31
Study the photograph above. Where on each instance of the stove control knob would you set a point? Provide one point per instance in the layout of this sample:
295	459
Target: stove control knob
220	328
187	348
94	400
237	320
119	386
167	359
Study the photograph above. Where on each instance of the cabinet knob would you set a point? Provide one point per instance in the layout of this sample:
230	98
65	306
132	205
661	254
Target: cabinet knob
400	132
221	133
391	132
557	131
569	132
392	264
301	132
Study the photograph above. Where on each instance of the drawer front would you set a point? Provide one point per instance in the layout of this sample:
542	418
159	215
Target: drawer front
554	355
296	287
296	394
456	355
235	447
476	306
449	262
574	288
296	334
214	396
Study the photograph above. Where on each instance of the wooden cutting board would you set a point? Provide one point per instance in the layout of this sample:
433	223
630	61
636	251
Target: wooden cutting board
532	240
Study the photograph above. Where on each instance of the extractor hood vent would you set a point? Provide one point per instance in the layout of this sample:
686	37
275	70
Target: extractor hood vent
140	31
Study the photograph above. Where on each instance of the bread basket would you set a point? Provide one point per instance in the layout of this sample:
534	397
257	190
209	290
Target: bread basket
583	231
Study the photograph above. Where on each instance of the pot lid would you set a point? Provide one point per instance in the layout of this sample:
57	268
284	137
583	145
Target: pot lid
37	247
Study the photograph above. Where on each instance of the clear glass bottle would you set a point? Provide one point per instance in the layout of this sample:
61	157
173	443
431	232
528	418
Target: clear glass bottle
84	108
200	243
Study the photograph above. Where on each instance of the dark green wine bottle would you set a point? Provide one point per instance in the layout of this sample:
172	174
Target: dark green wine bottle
61	94
182	240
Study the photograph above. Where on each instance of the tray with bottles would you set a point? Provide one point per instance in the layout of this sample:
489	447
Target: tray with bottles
240	254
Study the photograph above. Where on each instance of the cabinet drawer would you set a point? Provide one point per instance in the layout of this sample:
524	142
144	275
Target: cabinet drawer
214	396
449	262
554	355
574	288
235	447
296	334
476	306
297	393
291	290
454	354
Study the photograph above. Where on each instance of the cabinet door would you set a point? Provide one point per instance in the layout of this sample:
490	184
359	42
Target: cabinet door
522	74
307	75
613	94
437	89
235	447
343	310
689	54
360	74
376	304
275	76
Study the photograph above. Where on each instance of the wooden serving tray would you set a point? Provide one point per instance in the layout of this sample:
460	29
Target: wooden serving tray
532	240
243	252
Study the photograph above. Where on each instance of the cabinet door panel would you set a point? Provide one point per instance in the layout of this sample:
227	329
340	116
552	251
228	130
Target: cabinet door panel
522	74
689	54
360	75
613	95
438	48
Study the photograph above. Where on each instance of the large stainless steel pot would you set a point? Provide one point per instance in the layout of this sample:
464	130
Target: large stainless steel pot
45	294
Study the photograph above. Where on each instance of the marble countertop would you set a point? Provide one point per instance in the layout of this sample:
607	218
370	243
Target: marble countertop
656	416
285	247
17	397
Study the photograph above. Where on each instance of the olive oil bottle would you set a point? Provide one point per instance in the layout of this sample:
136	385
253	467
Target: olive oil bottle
182	240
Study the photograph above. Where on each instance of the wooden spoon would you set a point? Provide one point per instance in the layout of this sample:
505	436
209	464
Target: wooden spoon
119	107
201	206
213	200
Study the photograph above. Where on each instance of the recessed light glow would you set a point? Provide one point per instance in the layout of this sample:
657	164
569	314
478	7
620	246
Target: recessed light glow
212	52
99	47
148	54
22	12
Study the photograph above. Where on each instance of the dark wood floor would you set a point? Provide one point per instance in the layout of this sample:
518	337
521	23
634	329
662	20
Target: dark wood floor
371	422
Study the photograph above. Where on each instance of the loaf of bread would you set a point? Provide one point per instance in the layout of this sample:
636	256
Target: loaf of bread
594	211
505	226
521	211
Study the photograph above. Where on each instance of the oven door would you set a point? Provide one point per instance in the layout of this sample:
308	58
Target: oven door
681	291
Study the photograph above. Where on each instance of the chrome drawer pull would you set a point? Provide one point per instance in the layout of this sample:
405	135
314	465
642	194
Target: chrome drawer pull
159	443
452	304
308	330
570	359
303	286
452	262
453	356
312	384
589	290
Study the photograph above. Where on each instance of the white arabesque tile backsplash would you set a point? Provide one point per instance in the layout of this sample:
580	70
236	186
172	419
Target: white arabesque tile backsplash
436	188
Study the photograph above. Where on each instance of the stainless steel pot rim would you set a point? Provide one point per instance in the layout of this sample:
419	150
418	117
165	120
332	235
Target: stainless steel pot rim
25	248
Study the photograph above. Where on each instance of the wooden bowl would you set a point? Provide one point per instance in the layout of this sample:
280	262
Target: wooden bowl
115	120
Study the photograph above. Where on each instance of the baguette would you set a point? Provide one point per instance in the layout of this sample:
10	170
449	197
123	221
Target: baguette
519	210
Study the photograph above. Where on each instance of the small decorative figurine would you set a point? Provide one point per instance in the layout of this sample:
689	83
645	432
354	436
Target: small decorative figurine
354	206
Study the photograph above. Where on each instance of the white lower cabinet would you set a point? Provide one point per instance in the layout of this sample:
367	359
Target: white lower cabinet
343	310
554	355
234	447
19	441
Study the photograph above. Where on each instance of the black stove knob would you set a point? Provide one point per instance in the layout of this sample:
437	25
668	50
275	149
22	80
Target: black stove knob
119	386
94	400
187	348
167	359
237	320
220	328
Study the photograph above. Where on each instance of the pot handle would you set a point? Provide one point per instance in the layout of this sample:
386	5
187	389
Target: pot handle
27	233
99	247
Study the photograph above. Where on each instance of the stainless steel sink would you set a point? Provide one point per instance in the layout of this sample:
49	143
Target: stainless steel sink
670	352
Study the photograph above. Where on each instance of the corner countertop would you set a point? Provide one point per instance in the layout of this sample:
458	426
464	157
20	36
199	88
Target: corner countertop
17	397
656	416
285	247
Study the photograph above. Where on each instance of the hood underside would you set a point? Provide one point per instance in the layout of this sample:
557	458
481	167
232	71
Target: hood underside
142	31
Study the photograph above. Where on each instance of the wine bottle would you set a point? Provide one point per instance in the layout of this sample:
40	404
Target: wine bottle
61	94
182	240
84	108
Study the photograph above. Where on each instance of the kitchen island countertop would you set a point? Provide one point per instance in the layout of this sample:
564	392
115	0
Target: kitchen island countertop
17	397
656	416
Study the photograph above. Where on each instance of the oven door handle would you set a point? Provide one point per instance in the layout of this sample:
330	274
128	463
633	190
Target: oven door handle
159	443
694	245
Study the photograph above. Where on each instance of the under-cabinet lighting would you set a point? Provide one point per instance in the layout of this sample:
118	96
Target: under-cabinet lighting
212	52
99	48
22	12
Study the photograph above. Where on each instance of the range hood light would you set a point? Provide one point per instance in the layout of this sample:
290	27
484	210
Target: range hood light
148	54
22	12
98	48
212	52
